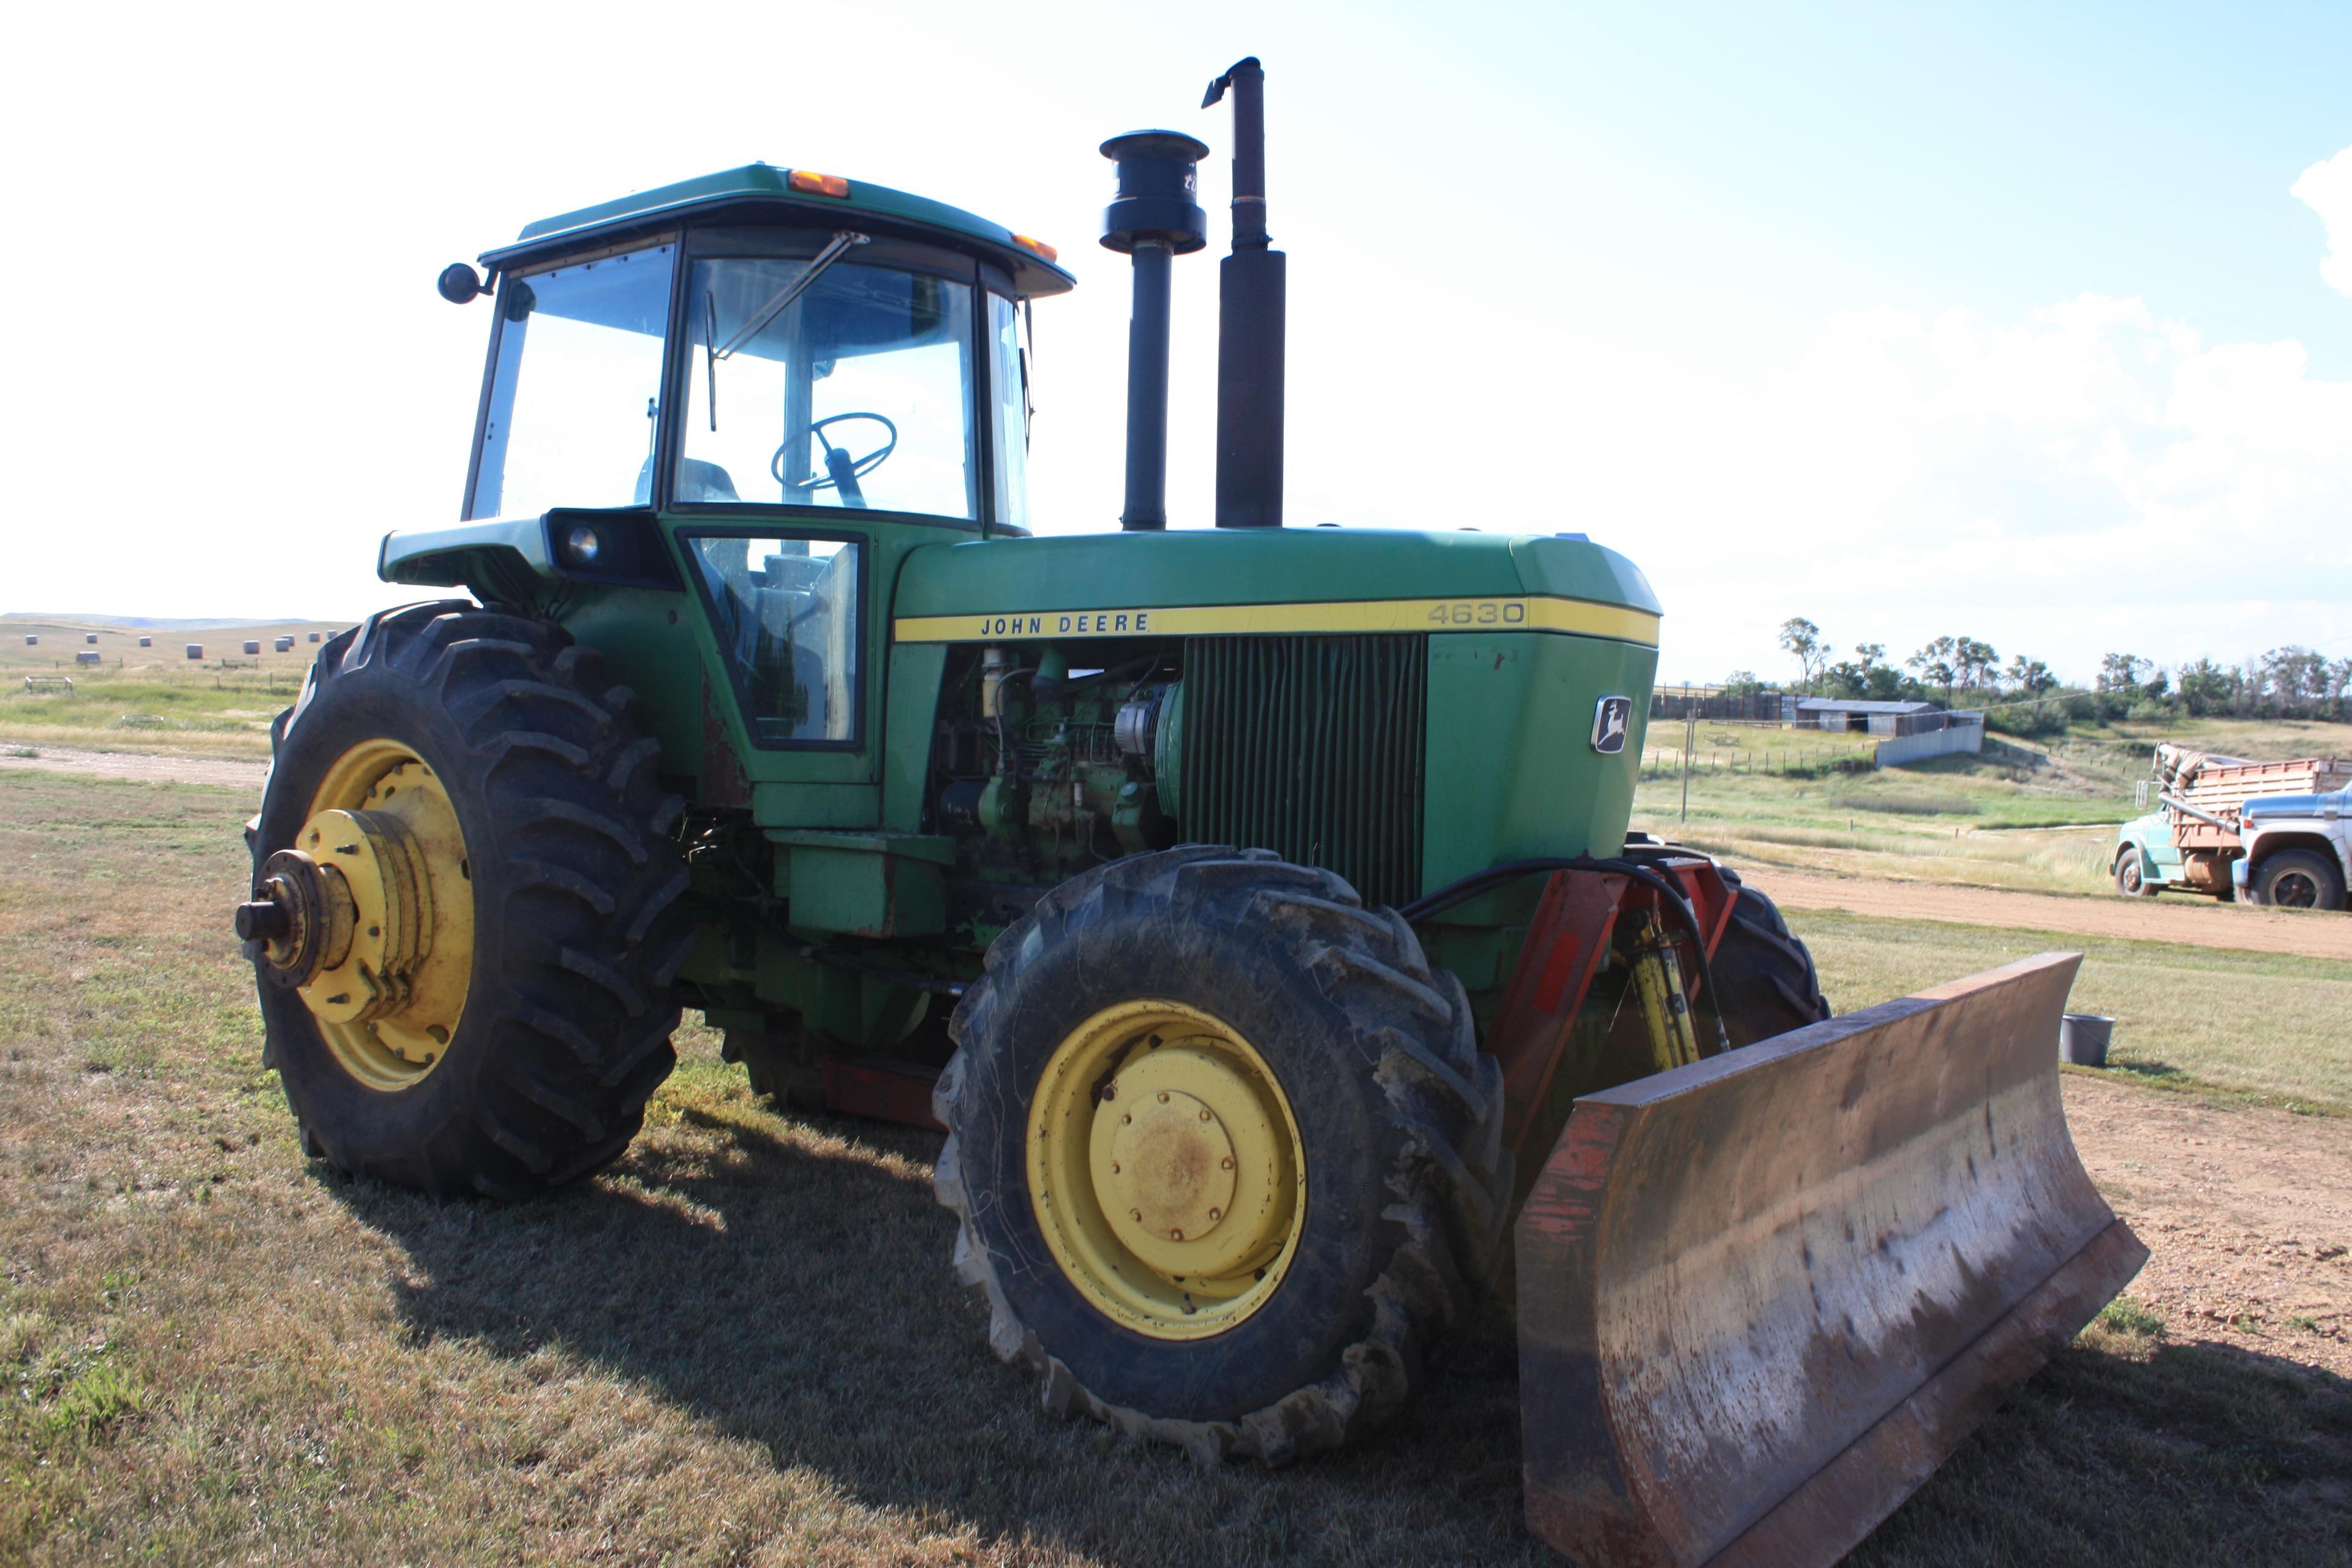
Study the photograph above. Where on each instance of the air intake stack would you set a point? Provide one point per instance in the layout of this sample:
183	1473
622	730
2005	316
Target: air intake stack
1154	219
1250	305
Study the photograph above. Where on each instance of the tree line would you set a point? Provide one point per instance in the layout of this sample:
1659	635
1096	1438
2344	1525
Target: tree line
2023	697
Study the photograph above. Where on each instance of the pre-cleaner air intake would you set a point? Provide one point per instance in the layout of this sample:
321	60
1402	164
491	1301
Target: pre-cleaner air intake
1154	218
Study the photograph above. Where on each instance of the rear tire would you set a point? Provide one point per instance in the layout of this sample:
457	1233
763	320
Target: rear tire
569	1005
1394	1113
1764	976
2297	880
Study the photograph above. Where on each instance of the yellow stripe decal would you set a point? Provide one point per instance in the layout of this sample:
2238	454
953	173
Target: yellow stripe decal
1520	614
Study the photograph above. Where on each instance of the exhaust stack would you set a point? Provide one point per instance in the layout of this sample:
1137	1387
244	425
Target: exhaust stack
1153	219
1251	307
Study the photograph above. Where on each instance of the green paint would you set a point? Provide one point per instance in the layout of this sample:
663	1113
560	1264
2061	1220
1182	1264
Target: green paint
1257	566
912	706
762	186
1511	765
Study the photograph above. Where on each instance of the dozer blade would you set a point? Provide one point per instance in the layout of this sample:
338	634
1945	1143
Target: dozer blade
1762	1297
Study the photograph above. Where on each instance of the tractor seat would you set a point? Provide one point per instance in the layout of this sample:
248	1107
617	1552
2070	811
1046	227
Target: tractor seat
697	481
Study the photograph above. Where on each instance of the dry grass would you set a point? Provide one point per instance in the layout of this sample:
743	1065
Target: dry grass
2032	817
149	699
742	1345
2269	1026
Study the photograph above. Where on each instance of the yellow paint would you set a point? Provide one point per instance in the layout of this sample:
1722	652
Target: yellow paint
1529	614
1665	1005
1166	1169
382	822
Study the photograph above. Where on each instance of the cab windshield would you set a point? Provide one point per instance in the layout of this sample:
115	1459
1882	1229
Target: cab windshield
852	389
829	379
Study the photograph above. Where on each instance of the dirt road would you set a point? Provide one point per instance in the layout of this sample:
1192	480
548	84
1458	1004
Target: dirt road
2247	1215
143	767
2179	918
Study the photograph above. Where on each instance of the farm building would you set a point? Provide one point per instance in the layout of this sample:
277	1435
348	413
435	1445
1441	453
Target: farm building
1914	730
1866	717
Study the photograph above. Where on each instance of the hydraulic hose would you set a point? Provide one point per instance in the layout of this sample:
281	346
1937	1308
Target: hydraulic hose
1477	882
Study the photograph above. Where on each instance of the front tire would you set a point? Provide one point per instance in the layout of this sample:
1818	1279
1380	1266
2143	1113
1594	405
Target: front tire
2131	875
1301	1053
559	863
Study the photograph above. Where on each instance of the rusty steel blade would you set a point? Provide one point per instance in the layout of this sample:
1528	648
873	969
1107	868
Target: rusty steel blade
1763	1296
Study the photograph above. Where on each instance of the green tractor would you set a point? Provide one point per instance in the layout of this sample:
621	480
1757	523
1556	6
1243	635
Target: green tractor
1251	907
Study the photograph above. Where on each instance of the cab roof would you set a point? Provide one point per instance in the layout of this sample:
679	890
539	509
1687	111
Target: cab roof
765	185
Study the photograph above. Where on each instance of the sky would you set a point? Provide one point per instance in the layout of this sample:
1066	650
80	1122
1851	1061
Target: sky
2029	323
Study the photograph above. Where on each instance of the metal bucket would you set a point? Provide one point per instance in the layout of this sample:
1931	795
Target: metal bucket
1762	1297
2082	1039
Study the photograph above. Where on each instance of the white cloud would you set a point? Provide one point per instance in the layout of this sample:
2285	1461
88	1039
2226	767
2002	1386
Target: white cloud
2094	478
2326	189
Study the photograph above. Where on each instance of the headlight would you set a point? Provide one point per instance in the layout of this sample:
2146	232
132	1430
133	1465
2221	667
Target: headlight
584	544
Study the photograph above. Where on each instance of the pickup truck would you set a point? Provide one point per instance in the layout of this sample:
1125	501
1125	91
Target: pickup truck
2266	833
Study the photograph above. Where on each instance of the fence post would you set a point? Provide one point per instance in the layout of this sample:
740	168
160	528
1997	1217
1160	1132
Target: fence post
1690	739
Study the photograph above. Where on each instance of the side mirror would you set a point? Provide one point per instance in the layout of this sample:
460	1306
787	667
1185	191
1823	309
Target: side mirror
460	283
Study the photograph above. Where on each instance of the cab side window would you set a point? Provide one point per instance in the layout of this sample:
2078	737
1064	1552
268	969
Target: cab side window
785	612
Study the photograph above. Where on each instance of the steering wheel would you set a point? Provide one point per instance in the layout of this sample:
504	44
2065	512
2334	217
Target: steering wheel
842	471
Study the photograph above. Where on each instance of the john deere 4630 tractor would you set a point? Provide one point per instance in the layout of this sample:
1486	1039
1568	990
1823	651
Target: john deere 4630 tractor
1253	906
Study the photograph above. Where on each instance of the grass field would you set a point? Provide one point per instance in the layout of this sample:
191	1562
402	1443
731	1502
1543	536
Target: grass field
154	699
743	1345
2271	1028
2032	816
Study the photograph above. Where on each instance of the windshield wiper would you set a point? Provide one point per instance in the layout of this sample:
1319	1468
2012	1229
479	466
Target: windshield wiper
833	252
710	352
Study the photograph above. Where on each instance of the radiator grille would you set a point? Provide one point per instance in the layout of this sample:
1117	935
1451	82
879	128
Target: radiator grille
1309	746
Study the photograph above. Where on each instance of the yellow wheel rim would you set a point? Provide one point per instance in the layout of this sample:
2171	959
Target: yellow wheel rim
1166	1169
388	1002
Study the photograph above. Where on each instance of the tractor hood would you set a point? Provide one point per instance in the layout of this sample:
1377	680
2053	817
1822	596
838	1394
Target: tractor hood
1229	582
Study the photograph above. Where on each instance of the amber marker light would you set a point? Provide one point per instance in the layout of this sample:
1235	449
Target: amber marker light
817	184
1036	246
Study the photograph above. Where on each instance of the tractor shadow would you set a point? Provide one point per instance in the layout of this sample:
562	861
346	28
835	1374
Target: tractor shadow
793	1292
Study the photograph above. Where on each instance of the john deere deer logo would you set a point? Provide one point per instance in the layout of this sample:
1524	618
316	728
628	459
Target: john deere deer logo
1609	721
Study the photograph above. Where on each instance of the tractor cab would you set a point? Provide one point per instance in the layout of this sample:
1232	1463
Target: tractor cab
816	346
793	377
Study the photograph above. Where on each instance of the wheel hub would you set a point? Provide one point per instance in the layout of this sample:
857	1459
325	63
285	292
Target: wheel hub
301	920
369	917
1165	1169
377	861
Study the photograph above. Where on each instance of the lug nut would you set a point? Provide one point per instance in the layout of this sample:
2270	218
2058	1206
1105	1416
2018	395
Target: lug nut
1175	1236
1163	1096
1114	1167
1205	1116
1135	1213
1216	1213
1226	1163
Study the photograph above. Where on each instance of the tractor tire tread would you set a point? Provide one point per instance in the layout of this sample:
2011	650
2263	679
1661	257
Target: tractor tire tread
1767	976
574	864
1441	1129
